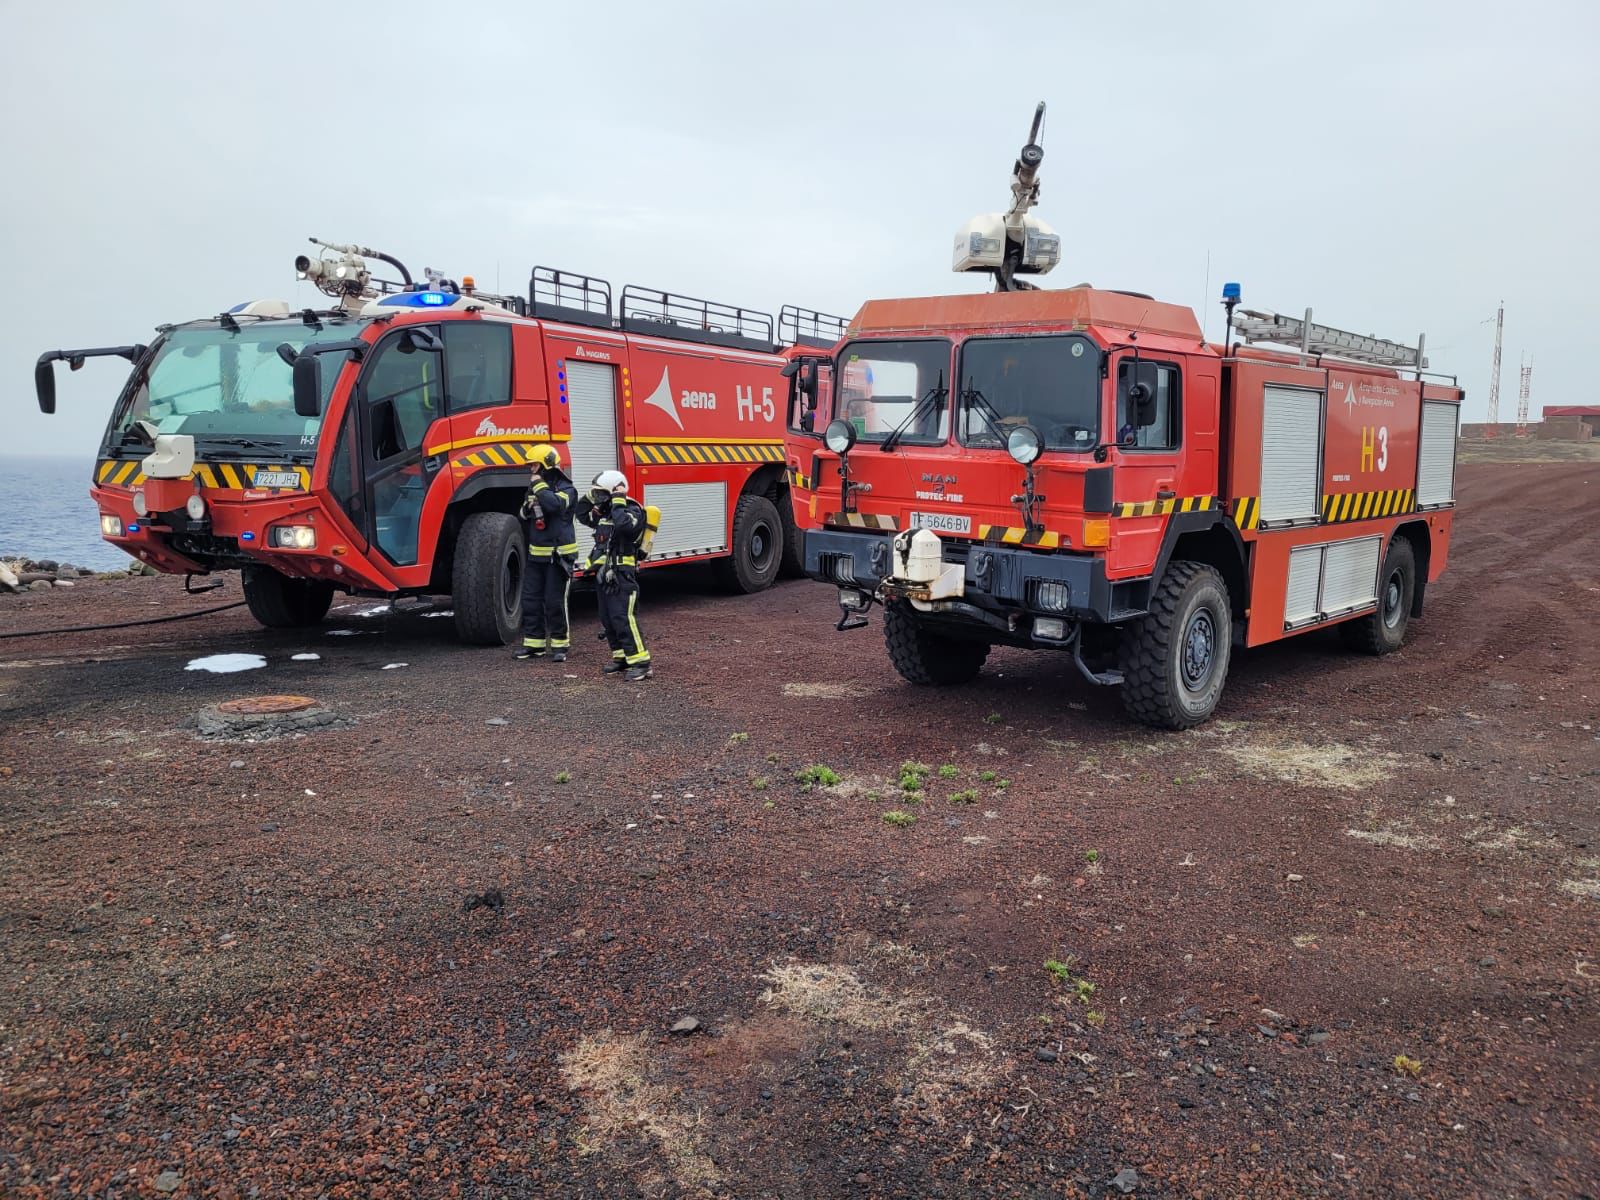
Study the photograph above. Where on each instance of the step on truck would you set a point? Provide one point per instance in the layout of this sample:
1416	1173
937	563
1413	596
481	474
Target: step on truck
378	447
1080	470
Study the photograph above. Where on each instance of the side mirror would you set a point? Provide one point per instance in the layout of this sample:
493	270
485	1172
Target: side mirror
44	383
308	385
288	353
1146	377
419	338
808	380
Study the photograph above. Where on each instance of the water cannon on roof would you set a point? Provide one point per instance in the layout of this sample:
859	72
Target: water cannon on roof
1014	242
343	273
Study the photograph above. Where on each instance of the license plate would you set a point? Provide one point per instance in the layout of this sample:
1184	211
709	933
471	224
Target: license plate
277	479
941	522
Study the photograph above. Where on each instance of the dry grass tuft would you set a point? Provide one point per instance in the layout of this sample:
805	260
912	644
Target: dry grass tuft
1330	766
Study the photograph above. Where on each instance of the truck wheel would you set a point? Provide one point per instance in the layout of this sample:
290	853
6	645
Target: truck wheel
1175	658
1383	631
757	547
794	552
279	602
925	657
486	579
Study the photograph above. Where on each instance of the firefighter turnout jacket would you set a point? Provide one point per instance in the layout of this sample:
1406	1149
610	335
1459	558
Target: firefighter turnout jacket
618	523
551	503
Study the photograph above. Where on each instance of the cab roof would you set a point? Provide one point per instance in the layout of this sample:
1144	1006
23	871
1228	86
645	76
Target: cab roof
1064	308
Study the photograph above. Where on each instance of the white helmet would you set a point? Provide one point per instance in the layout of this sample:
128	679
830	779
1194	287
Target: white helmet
609	481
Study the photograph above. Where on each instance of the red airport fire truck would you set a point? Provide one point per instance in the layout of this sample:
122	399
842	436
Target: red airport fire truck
379	447
1081	470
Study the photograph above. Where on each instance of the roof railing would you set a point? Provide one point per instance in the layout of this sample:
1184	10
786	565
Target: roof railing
657	313
578	299
808	327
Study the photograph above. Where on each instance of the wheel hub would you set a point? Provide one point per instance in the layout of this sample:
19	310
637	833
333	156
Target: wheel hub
1391	600
1199	648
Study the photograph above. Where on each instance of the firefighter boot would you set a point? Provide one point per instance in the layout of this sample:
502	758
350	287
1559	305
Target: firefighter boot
615	667
524	653
639	673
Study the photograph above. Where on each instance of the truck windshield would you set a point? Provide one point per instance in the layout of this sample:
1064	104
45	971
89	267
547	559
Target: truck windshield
879	384
217	384
1051	383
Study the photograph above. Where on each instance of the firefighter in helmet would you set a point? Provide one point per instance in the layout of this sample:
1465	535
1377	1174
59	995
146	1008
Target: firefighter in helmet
619	523
547	514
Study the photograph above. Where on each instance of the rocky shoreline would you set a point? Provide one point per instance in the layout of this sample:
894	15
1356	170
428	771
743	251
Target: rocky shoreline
46	574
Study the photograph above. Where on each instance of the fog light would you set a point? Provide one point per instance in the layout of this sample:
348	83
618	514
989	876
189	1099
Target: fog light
195	507
853	600
1049	595
1053	628
110	526
139	506
294	537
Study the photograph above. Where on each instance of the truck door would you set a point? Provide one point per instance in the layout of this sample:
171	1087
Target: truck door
592	412
1150	481
401	394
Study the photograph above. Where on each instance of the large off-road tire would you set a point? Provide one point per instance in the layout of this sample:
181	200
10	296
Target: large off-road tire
757	547
1384	630
486	579
1175	658
279	602
924	656
794	551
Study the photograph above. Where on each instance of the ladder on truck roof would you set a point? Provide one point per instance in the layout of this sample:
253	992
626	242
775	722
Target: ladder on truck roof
1311	338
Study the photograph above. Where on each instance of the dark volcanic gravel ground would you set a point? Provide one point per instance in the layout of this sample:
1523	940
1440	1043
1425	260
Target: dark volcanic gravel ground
244	969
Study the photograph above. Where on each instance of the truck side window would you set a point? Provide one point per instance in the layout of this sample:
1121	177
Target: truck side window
1166	433
808	414
405	394
478	354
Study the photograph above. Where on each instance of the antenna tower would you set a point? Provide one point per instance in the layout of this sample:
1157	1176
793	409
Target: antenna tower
1522	398
1494	377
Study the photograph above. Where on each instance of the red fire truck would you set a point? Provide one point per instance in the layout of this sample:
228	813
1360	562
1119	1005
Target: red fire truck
1081	470
379	447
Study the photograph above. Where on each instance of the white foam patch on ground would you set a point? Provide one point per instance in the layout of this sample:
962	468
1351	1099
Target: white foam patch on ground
823	691
394	666
305	657
226	664
349	632
447	612
376	610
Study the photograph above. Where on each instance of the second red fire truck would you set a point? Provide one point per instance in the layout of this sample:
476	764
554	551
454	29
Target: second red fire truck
378	447
1082	470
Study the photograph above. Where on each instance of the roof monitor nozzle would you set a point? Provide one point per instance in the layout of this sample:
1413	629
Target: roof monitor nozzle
343	274
1014	242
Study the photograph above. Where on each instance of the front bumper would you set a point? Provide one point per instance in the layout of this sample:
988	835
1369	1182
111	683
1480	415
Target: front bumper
998	578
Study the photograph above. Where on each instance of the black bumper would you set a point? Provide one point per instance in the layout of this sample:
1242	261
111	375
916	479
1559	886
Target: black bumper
999	578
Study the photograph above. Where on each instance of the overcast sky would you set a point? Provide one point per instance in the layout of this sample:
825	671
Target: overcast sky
1398	167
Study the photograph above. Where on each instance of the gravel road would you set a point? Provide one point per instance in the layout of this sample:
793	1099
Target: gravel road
1343	940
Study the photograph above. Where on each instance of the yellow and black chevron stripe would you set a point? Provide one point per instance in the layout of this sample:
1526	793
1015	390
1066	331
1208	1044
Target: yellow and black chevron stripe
1160	508
1363	506
674	453
1013	535
497	454
127	473
862	521
1246	511
799	480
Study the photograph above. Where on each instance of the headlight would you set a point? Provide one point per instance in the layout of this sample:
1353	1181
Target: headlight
110	526
839	436
139	506
1024	444
294	537
1053	628
853	600
195	507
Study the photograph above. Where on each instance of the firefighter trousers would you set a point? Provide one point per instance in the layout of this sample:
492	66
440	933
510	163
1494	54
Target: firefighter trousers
546	584
619	618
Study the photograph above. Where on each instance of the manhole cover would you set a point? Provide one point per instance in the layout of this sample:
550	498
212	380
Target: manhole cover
261	718
262	706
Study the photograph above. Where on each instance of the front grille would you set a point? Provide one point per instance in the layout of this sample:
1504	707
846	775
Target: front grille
209	548
841	568
1048	595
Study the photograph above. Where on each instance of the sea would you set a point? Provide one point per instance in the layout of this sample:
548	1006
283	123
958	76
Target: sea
45	512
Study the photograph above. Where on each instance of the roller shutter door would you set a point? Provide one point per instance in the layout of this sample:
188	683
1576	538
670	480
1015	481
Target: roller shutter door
1436	463
1291	454
1305	574
694	518
1350	575
592	410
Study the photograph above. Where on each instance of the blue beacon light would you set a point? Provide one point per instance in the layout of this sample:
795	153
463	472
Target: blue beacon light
1230	291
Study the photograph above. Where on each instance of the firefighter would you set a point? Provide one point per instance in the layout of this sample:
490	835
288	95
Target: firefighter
547	514
618	522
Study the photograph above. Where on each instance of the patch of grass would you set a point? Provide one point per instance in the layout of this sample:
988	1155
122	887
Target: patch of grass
767	804
761	783
874	796
993	719
773	757
1061	970
969	796
563	776
735	739
911	798
1406	1065
899	819
1065	975
986	776
910	783
912	775
1002	784
948	772
1091	856
1094	1018
817	775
